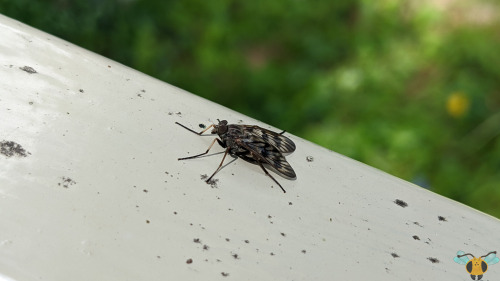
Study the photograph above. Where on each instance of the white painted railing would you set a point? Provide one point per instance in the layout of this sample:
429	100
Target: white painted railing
91	189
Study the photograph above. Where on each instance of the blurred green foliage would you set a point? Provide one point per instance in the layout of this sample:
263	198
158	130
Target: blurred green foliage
409	87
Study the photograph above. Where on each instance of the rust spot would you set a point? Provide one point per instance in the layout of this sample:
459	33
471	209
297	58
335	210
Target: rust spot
433	260
28	69
10	148
66	182
441	218
401	203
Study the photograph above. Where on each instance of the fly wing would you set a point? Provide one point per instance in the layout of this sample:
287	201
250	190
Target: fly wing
264	152
279	141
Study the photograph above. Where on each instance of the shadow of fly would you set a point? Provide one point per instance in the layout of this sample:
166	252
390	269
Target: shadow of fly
253	144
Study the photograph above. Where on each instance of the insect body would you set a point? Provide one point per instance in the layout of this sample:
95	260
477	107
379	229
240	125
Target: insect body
476	266
252	144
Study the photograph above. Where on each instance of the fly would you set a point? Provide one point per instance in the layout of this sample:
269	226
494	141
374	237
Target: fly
253	144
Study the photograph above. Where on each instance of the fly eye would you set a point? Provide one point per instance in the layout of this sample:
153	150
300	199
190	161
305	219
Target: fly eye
222	128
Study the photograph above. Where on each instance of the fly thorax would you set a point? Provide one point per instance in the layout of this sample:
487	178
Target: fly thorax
231	143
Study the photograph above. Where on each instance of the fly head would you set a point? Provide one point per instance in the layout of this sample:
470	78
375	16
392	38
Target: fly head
221	128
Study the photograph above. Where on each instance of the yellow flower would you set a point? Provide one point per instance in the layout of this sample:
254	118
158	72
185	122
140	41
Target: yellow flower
457	104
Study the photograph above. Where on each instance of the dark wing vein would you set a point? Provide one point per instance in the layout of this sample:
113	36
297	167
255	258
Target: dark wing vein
267	154
282	143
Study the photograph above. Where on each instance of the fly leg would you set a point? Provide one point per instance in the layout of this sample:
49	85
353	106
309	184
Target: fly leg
199	134
267	173
220	165
191	157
